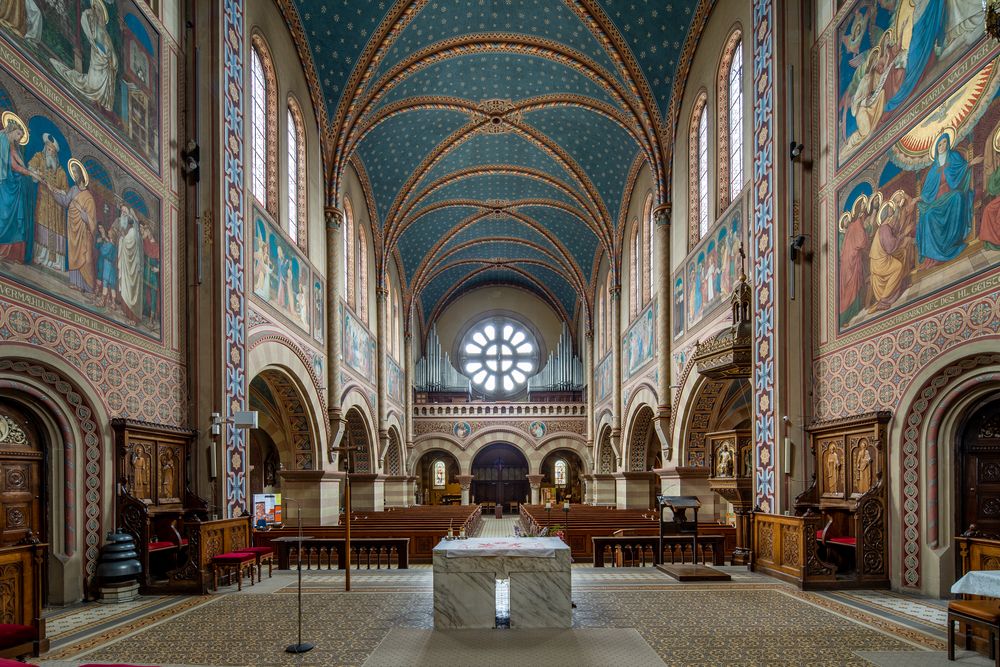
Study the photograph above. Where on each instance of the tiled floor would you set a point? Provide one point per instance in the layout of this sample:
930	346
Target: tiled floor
494	527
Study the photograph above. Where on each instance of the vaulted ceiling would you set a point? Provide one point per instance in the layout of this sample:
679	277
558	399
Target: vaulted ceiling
497	137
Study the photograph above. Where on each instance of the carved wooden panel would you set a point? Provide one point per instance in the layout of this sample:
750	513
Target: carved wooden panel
140	469
863	457
791	555
169	473
11	592
831	472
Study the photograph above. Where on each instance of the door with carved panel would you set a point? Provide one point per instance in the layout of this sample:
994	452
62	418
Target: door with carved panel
979	471
21	472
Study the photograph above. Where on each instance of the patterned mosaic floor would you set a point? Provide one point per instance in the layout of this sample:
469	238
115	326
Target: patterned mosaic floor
749	621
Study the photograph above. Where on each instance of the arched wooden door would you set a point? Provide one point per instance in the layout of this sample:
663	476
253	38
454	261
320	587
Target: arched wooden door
978	470
22	471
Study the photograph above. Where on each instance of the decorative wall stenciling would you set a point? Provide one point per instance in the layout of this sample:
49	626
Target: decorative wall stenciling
639	342
104	53
923	215
763	249
888	53
359	347
234	301
281	275
87	232
318	309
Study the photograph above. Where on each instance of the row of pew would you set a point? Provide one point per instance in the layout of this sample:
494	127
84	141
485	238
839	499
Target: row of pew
424	526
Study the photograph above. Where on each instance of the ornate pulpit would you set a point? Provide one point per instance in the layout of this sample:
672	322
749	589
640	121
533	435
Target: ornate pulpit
732	478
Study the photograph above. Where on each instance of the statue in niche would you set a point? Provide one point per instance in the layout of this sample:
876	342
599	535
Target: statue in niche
724	465
747	461
834	480
140	472
863	468
167	476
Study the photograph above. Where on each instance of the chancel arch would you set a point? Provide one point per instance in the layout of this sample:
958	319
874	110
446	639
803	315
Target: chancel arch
437	472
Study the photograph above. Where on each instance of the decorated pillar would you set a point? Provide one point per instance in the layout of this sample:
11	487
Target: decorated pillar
764	253
665	301
466	482
535	482
234	380
382	351
588	374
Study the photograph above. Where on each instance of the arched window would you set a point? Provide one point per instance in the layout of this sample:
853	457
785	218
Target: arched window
559	472
647	215
636	280
349	252
263	118
440	475
698	170
362	254
730	122
296	175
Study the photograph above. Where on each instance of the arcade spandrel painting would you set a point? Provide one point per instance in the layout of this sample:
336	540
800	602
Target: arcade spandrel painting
104	53
889	51
924	214
73	224
713	268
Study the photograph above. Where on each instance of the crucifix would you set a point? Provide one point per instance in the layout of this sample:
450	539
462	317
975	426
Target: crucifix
348	450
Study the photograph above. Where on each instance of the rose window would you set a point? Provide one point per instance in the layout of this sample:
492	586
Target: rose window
499	355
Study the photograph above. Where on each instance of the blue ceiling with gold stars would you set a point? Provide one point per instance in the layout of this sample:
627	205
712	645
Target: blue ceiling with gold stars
497	135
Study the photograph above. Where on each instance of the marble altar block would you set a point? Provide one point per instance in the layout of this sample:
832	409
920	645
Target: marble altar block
465	574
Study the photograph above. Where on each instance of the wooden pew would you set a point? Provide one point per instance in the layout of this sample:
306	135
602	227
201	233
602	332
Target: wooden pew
423	526
587	522
23	629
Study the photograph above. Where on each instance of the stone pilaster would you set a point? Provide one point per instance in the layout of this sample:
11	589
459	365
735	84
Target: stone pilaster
334	290
664	337
535	482
317	491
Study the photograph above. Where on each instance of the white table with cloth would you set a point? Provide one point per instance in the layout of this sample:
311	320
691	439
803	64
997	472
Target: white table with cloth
466	572
978	582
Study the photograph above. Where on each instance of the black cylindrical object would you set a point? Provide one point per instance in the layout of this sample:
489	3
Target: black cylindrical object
119	560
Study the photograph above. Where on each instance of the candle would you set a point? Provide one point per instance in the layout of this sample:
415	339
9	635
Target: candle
566	506
548	505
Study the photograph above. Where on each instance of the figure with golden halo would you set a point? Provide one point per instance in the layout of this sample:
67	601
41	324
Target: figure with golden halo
853	255
16	211
81	228
50	218
98	83
887	257
945	207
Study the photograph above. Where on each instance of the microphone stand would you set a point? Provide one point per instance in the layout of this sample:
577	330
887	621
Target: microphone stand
300	647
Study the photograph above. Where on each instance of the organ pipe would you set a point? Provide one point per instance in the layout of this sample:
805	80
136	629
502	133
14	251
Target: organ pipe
563	369
434	371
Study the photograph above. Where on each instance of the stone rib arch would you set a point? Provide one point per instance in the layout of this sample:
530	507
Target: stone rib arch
640	437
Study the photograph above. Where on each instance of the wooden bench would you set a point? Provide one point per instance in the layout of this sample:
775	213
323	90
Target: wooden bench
641	550
976	551
422	527
22	628
382	552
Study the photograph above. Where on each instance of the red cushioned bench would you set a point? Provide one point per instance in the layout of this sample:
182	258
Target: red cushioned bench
233	562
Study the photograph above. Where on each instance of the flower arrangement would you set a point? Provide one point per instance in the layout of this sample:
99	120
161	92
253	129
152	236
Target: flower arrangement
557	530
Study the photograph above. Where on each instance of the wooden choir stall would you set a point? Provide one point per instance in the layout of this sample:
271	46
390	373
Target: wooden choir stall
174	536
839	536
22	628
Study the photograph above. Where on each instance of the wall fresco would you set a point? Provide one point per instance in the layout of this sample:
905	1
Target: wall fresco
73	224
359	347
639	342
923	215
281	276
104	53
394	381
888	52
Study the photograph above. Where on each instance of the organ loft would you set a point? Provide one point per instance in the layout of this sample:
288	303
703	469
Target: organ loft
582	332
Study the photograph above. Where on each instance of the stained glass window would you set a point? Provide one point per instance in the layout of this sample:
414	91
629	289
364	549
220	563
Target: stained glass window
560	469
440	475
499	355
703	220
258	127
736	123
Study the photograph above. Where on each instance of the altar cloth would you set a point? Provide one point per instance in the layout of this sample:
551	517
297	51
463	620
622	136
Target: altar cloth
517	547
979	582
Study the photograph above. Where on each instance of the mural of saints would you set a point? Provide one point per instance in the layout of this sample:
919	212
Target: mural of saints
922	215
72	223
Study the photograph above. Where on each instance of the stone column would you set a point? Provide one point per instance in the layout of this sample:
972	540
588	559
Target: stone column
588	489
381	352
535	482
685	481
408	389
317	491
616	373
664	331
334	290
466	482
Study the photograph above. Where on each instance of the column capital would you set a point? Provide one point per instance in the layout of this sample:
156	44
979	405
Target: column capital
615	291
535	481
464	480
334	217
661	214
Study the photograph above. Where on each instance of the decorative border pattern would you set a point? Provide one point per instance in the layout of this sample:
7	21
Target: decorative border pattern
763	249
910	463
92	456
234	302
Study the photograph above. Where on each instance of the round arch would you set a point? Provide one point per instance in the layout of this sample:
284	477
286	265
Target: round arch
427	491
360	434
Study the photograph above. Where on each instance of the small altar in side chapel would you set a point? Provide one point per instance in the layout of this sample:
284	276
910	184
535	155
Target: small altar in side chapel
466	572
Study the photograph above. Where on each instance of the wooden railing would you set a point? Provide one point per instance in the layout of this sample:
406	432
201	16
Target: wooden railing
642	550
329	553
787	547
